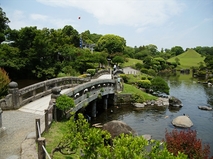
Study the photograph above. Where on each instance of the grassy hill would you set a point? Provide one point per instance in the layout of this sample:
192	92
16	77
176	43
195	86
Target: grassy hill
188	59
131	62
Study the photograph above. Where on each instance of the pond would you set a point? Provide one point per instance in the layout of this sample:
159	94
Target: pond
155	121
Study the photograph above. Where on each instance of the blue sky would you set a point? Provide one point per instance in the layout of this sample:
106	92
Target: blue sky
164	23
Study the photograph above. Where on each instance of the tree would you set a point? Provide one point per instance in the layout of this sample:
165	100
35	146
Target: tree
118	59
152	48
111	43
4	81
159	84
3	24
187	143
64	103
177	50
94	143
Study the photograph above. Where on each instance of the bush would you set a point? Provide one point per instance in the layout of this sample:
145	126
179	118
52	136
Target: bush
124	77
151	72
4	81
87	142
91	71
138	66
144	84
138	98
187	143
159	84
144	70
64	103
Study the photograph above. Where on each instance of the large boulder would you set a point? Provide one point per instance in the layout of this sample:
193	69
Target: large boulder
182	121
174	102
205	108
115	128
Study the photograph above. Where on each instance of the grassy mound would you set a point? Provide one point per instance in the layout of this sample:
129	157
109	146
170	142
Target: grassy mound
131	62
132	89
188	59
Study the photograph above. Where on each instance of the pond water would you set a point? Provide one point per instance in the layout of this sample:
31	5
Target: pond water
155	121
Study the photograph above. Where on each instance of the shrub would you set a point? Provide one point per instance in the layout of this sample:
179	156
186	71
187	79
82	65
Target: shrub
159	84
144	84
91	71
151	72
143	78
137	98
124	77
144	70
138	65
64	103
187	143
87	142
4	81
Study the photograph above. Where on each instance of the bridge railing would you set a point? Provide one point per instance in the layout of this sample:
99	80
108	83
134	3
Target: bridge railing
87	92
19	97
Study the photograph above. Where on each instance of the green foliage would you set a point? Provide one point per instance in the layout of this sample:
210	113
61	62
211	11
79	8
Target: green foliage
188	59
118	59
138	66
91	71
177	50
88	142
186	142
159	84
144	70
144	84
64	103
4	81
111	43
3	24
151	72
138	98
140	94
124	77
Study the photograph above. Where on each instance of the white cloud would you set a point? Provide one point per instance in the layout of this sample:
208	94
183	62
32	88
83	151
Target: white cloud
38	17
136	13
17	19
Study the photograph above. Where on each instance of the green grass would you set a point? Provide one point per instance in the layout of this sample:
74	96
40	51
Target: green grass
131	62
53	137
188	59
132	89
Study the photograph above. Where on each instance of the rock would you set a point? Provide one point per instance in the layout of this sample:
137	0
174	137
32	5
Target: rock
115	128
182	121
205	108
148	137
174	102
139	105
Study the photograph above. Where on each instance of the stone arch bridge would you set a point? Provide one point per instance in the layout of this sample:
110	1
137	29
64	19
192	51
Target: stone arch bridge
82	90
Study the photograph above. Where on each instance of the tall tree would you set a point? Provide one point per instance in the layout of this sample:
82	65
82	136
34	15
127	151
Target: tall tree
177	50
3	24
111	43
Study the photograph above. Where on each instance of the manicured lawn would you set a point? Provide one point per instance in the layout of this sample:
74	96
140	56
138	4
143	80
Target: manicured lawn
131	62
132	89
188	59
53	137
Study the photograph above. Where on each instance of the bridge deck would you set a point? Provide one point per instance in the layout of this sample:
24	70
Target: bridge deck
38	106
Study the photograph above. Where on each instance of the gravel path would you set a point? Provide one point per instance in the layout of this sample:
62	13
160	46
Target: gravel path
18	125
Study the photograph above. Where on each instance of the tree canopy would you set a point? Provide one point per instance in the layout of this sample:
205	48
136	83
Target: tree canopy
111	43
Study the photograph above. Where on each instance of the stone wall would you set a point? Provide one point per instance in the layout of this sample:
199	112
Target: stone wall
122	99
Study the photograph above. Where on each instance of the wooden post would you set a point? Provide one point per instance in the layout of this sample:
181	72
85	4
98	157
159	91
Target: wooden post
37	123
46	120
41	152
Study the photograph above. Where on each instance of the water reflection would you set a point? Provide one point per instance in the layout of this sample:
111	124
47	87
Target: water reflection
154	121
